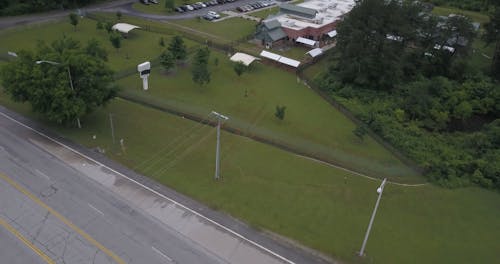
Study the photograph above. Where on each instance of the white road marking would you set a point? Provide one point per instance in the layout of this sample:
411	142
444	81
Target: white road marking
162	254
43	174
155	192
97	210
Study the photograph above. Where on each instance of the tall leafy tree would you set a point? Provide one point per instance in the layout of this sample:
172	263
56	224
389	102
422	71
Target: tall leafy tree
69	84
492	37
200	72
178	48
73	20
94	49
167	60
116	40
372	40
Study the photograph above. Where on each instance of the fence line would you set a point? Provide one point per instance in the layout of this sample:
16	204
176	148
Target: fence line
345	111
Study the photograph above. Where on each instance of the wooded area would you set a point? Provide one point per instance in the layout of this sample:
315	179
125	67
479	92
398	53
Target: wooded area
408	75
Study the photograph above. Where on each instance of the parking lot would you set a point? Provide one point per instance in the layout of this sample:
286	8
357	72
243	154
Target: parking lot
201	9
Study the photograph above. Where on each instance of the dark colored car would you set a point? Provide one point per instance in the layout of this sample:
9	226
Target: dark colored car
179	10
208	17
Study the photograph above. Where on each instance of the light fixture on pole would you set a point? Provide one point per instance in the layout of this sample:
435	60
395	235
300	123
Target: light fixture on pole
70	81
380	190
217	149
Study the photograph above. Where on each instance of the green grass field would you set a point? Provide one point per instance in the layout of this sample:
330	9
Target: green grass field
140	45
230	29
310	122
317	205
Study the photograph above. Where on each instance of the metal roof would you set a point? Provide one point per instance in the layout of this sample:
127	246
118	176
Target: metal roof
276	34
315	52
306	41
270	24
307	12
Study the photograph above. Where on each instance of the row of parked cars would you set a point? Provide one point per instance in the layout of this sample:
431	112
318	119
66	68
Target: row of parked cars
147	2
200	5
256	5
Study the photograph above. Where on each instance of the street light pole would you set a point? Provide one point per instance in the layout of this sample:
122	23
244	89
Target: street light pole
217	149
380	190
70	82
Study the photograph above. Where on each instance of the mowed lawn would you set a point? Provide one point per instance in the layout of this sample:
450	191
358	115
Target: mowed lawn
310	123
229	29
140	45
317	205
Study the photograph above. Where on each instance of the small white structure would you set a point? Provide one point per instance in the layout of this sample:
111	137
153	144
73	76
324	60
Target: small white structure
306	41
243	58
280	59
144	69
315	52
270	55
332	33
124	27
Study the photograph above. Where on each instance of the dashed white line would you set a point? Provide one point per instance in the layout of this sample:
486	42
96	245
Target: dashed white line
265	249
42	174
162	254
97	210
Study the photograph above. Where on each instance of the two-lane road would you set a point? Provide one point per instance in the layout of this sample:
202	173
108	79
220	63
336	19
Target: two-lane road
50	213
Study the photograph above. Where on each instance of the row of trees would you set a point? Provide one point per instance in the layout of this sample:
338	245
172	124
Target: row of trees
391	70
18	7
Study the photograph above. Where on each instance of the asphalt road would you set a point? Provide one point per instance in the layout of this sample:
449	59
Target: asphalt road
54	208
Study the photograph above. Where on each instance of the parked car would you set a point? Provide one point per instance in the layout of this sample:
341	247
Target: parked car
213	14
214	2
154	1
146	2
197	6
201	4
189	7
179	10
208	17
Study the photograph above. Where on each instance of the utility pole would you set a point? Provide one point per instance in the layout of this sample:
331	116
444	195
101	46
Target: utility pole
217	149
70	81
112	127
73	89
380	190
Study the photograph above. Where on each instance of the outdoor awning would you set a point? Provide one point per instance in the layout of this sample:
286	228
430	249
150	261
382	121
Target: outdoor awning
315	52
124	27
332	33
279	58
289	62
270	55
306	41
243	58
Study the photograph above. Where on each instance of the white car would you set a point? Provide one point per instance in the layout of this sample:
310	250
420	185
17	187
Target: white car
213	14
189	7
201	4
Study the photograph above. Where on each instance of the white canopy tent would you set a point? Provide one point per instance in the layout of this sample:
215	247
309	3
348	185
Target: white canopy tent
315	52
243	58
306	41
124	27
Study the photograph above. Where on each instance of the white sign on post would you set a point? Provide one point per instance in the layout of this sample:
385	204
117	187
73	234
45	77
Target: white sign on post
144	69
